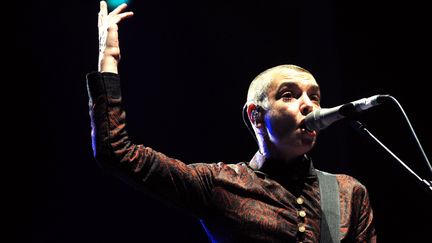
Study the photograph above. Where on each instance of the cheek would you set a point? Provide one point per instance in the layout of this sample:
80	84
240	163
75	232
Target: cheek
280	124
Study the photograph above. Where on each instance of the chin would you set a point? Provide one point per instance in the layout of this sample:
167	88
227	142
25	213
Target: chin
308	144
307	140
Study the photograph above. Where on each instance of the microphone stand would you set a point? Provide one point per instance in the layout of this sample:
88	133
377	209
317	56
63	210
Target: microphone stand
427	185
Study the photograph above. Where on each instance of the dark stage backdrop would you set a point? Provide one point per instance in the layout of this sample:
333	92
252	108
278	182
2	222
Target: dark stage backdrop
186	67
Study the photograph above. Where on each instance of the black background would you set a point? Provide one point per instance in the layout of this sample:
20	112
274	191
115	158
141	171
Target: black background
185	70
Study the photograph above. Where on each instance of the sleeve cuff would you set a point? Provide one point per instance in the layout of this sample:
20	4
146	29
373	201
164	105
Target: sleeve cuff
103	83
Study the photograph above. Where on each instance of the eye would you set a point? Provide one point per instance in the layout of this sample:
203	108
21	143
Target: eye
286	96
315	97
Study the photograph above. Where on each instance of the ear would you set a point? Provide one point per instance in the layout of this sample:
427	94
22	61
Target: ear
255	114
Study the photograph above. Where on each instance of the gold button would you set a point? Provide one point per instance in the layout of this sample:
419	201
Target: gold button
299	200
301	228
302	213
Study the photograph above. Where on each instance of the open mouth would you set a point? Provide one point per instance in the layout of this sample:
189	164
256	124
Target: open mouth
304	129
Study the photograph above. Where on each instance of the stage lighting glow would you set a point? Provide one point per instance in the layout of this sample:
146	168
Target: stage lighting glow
112	4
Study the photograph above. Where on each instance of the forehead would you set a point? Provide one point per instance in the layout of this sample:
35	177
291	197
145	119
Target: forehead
301	79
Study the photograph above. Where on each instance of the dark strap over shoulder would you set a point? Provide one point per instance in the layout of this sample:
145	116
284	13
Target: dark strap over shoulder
330	207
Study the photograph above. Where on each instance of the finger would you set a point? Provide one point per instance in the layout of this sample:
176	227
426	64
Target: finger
126	15
103	8
119	8
99	20
119	17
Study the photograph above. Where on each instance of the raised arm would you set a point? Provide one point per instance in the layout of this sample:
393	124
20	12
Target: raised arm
186	186
109	48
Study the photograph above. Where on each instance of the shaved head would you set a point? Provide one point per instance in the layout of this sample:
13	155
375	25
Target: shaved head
258	88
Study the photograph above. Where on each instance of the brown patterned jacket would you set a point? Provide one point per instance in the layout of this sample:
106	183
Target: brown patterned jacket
235	202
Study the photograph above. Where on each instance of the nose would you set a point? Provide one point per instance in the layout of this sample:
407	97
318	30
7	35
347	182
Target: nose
306	105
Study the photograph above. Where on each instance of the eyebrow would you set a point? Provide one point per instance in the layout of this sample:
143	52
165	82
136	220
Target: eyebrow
293	84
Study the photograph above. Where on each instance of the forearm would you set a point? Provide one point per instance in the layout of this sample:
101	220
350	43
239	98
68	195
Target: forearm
112	147
107	117
163	177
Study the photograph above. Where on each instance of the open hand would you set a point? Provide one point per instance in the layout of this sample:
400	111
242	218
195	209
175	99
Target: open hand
109	49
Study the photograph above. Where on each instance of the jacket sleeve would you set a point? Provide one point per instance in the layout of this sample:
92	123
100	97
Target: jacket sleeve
365	230
357	219
168	179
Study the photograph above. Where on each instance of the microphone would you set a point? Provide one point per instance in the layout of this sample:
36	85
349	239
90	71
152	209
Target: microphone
324	117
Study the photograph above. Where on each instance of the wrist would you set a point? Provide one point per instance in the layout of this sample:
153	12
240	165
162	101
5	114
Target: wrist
108	64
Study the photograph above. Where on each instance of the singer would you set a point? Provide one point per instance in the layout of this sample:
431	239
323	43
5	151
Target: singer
276	196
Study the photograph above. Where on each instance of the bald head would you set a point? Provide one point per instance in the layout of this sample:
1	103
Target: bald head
258	89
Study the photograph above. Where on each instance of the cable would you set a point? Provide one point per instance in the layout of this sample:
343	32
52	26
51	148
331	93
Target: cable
413	132
361	127
244	112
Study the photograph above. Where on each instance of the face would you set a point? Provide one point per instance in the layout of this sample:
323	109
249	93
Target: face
292	95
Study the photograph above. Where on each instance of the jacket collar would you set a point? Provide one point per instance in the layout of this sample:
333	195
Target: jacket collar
298	168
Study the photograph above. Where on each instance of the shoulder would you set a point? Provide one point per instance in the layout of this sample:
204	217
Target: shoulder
228	171
345	182
348	185
222	167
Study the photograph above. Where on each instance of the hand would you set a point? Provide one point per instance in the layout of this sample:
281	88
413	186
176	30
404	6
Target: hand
109	49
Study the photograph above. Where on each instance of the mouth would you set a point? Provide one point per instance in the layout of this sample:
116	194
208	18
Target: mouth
303	129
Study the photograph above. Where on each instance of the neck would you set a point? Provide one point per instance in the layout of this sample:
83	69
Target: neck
295	168
262	160
283	154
